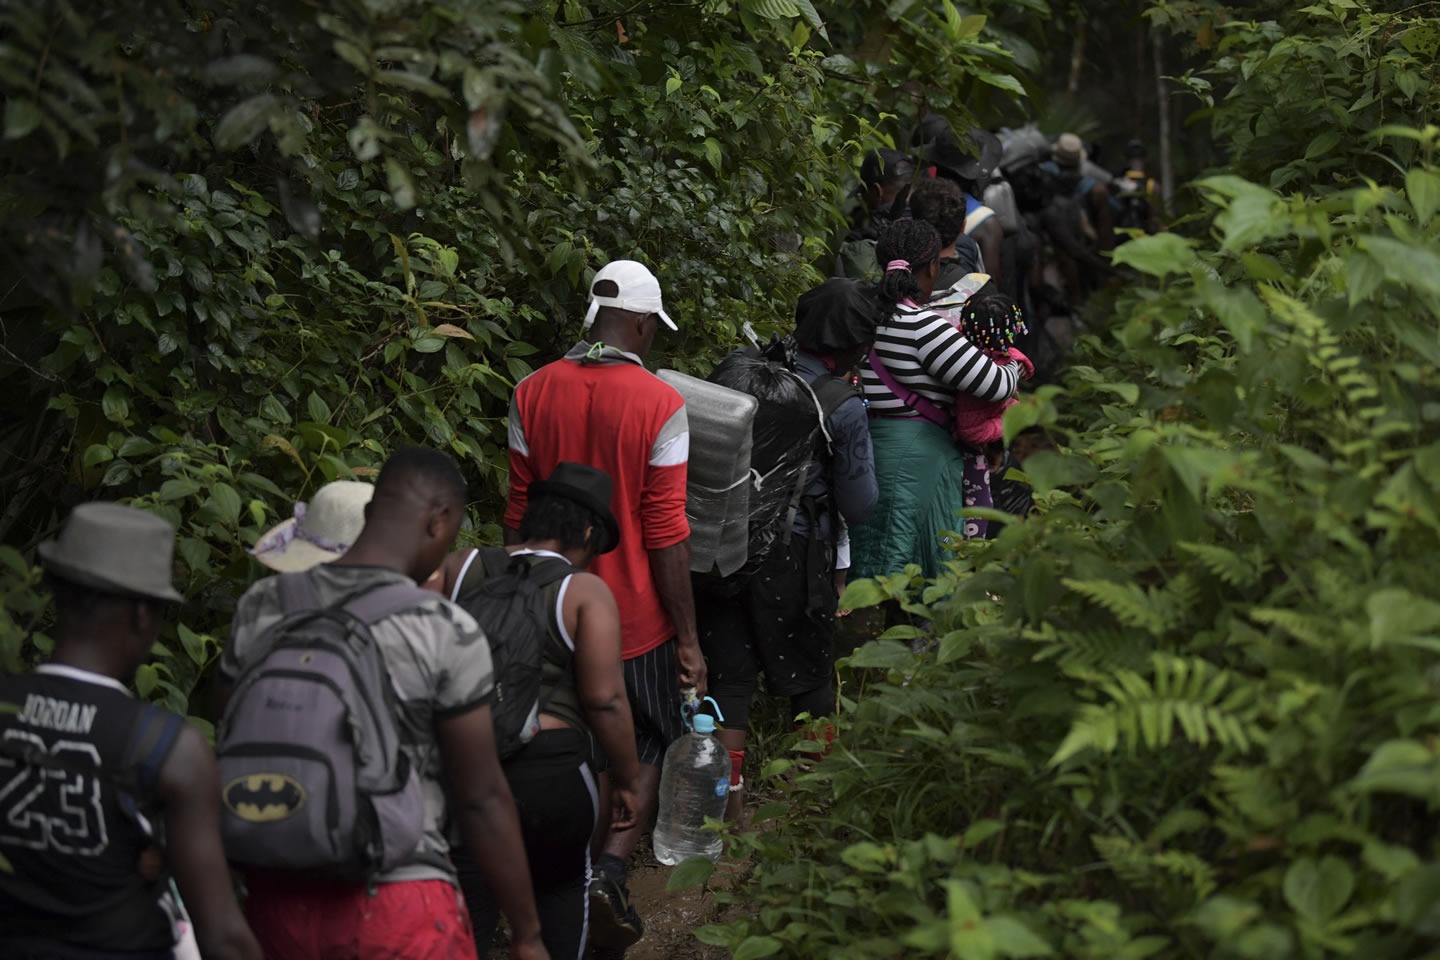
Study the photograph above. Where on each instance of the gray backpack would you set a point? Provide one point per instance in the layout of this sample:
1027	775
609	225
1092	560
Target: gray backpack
313	776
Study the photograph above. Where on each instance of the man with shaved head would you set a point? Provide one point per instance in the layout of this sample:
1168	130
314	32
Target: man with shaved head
438	661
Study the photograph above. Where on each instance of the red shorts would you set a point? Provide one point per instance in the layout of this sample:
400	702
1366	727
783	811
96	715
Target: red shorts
412	920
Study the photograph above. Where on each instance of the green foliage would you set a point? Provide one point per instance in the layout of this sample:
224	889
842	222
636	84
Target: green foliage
247	255
1187	708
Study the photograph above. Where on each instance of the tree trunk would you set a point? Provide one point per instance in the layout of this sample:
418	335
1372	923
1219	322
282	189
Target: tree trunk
1162	103
1138	64
1077	53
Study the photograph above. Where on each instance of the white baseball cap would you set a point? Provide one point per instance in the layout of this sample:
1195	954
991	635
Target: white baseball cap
639	291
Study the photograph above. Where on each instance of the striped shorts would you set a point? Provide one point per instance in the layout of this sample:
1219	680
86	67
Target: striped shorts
652	684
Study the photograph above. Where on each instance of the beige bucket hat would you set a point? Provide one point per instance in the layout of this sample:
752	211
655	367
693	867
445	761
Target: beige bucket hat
320	531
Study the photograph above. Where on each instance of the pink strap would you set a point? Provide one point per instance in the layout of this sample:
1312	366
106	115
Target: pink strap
927	410
897	265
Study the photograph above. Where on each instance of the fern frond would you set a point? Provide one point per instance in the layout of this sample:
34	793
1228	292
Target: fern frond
1254	795
1137	865
1207	704
1127	602
1309	630
1097	650
1229	566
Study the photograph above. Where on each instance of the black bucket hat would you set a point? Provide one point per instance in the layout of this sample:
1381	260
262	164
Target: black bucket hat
883	165
840	314
972	158
588	486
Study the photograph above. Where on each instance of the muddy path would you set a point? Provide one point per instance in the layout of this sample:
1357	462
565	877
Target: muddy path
671	919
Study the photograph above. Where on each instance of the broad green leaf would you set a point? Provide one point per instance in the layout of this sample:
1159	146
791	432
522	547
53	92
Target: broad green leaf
178	488
772	9
97	453
226	503
194	645
1401	766
1423	188
21	117
1160	255
1224	916
1391	862
860	594
145	680
244	122
1407	264
882	655
1014	939
867	857
1049	470
753	948
14	560
273	410
1318	890
971	25
1396	615
1324	142
1417	900
690	873
318	409
982	830
115	405
1002	81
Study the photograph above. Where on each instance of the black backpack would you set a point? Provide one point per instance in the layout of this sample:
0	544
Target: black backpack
509	606
1132	211
789	432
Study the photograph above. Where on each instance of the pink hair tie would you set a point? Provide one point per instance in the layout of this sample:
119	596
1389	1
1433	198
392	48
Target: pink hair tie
897	265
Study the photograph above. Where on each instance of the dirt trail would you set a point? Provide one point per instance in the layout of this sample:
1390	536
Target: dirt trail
670	918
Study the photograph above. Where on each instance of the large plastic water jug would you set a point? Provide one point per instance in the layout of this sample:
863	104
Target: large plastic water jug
694	783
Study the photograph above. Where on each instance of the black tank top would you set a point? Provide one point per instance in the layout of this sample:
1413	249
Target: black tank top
78	765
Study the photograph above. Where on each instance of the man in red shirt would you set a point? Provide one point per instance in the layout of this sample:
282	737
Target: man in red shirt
598	405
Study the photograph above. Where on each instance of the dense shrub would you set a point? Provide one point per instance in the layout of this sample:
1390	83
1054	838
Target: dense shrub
1188	708
247	254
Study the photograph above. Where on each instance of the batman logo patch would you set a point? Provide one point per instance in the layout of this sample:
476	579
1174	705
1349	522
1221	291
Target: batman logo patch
264	797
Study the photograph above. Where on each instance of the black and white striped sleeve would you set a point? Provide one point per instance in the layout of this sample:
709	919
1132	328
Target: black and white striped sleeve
948	355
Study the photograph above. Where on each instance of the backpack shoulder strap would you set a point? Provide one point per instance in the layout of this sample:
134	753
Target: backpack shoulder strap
927	410
465	569
375	605
155	734
550	570
493	561
832	392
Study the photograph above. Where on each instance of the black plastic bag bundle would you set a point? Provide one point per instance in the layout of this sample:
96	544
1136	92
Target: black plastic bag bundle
782	436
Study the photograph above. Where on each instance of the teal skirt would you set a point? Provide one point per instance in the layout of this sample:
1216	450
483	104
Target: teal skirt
921	476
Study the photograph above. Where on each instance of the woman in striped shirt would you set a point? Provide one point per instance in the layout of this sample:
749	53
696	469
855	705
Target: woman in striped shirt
920	362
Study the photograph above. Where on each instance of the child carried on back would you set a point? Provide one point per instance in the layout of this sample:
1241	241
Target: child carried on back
991	321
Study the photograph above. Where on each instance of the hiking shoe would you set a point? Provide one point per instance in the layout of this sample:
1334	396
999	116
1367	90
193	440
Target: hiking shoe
614	924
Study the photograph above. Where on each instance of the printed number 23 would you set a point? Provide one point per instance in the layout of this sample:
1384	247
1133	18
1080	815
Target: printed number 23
42	807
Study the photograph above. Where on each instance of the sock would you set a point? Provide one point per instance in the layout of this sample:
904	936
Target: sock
612	866
737	763
825	734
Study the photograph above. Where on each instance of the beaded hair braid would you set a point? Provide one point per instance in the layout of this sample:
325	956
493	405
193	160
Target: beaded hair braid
992	323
